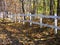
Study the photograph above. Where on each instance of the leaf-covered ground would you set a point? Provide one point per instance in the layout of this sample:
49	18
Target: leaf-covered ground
19	34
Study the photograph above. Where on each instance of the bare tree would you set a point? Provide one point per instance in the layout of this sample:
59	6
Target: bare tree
58	8
23	6
34	7
51	7
44	7
3	9
23	10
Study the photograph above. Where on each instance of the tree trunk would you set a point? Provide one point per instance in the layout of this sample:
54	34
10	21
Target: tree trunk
3	9
58	8
44	7
51	7
34	7
23	7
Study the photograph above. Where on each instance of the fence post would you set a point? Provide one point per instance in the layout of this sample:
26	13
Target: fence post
30	19
40	22
19	18
56	24
23	19
15	18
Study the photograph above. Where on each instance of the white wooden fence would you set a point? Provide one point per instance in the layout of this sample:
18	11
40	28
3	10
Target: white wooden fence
55	17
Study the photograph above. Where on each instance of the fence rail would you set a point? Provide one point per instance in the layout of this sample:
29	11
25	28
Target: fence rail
40	15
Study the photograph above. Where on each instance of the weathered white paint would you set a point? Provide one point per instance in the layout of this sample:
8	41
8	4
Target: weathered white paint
40	22
30	19
23	19
56	24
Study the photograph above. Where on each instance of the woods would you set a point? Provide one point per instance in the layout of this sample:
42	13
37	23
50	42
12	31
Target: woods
29	22
31	6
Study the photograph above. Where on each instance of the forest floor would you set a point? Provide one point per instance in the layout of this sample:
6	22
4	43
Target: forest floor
19	34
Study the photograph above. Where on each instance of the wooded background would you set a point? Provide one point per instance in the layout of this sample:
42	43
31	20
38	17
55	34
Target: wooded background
48	7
